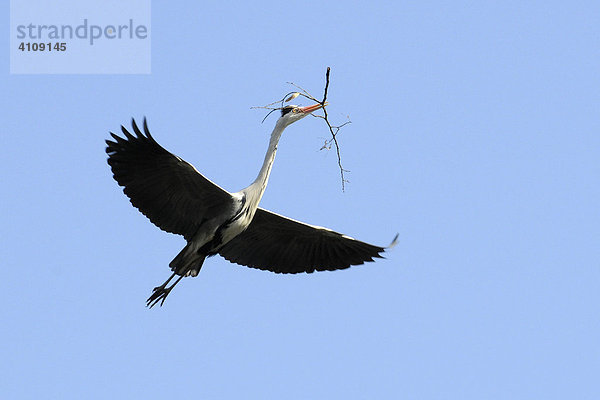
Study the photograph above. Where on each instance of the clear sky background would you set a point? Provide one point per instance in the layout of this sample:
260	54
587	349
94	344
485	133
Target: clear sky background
475	135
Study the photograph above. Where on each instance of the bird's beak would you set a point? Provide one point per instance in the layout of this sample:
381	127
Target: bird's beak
314	107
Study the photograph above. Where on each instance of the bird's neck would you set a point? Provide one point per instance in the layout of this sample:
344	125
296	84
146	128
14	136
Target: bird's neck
257	188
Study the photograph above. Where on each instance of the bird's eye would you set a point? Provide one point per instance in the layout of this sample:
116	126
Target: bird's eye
295	110
286	110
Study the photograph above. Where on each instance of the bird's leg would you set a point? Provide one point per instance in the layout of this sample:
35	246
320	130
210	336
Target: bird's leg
161	287
161	292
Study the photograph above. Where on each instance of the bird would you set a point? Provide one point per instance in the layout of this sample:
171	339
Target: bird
174	196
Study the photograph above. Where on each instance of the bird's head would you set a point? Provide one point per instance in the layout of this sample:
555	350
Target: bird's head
291	113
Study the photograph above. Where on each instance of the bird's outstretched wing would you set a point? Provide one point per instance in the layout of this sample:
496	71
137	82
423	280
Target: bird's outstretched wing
279	244
165	188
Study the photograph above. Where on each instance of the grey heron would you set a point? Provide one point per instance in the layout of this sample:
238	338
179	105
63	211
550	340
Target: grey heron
178	199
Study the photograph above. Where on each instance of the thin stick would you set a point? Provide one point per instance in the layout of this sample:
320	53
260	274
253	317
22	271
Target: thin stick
333	129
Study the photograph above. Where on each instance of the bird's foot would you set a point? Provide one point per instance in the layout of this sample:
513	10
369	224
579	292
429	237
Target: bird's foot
159	293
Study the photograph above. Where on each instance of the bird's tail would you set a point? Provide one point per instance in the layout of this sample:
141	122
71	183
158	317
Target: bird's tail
188	262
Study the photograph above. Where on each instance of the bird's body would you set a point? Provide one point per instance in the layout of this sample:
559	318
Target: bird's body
178	199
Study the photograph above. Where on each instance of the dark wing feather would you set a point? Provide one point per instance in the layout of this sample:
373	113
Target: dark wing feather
165	188
279	244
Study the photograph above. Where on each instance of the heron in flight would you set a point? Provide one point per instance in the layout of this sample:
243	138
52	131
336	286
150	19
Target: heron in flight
178	199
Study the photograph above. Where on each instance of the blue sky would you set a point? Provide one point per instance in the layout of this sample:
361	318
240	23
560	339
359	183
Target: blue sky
474	135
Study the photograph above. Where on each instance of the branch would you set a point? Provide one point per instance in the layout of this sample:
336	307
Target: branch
333	129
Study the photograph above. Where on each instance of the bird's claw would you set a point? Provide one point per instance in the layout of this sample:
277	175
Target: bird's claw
159	293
